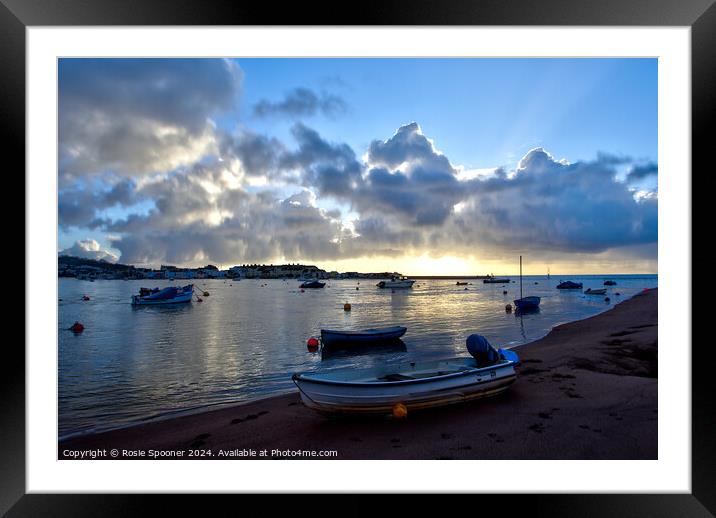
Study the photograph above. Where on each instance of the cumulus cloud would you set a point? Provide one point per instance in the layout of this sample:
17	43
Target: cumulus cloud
79	206
404	194
549	205
301	102
134	116
89	249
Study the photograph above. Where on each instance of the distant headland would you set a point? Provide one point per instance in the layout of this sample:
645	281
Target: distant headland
91	269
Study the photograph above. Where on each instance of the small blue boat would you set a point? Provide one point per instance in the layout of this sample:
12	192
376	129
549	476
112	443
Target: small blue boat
610	283
170	295
527	303
569	285
332	338
313	284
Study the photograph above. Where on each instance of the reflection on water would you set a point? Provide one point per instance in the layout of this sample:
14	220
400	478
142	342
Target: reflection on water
384	347
247	338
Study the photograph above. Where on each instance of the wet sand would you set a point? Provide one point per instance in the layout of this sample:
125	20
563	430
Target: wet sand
588	390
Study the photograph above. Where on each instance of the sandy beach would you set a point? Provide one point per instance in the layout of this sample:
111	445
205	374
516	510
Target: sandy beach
588	390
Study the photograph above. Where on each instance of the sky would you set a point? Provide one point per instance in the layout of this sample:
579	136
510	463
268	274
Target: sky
423	166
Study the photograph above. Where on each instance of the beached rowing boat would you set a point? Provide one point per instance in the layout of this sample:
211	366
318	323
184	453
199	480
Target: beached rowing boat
417	385
331	338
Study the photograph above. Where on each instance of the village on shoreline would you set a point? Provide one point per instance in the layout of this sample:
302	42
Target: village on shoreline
90	269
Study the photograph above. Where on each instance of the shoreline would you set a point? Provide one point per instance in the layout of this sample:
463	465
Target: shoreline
586	390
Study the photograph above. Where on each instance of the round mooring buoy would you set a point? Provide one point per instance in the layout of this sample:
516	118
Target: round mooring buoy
77	327
312	344
504	292
400	411
607	299
346	307
85	297
508	308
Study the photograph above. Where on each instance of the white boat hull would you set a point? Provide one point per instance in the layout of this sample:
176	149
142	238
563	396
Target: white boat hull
380	397
138	301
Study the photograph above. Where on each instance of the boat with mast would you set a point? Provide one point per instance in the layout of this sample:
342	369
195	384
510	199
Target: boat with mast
526	303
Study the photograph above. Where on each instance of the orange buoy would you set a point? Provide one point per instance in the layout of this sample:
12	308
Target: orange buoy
400	411
346	307
77	327
312	344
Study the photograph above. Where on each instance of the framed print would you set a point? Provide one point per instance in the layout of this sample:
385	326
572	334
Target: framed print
417	250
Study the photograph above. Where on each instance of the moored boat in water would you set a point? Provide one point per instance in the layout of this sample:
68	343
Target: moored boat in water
416	385
313	284
590	291
610	283
491	279
396	282
333	338
569	285
526	303
170	295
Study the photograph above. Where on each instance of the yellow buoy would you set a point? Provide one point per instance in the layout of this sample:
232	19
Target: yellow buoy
346	307
400	411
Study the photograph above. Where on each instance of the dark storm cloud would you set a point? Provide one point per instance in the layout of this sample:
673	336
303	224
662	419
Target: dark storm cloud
332	169
639	172
258	154
133	116
301	102
78	207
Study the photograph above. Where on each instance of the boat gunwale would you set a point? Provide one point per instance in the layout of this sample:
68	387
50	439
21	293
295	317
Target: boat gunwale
474	370
371	333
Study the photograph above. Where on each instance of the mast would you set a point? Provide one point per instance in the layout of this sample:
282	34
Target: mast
520	276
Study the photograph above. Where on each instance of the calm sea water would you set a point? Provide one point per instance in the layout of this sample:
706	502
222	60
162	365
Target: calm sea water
247	338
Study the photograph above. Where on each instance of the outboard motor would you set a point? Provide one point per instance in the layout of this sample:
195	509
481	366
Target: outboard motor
481	350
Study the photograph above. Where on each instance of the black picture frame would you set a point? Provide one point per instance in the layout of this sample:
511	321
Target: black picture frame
700	15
